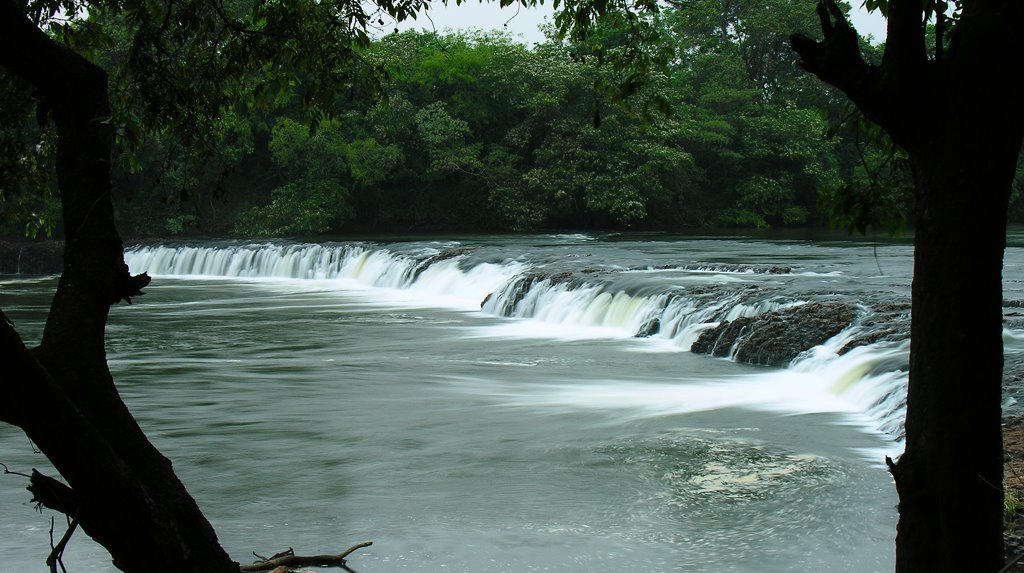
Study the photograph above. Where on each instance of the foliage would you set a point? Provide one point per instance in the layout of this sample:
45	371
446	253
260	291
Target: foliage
29	203
1011	508
316	196
468	131
180	223
879	192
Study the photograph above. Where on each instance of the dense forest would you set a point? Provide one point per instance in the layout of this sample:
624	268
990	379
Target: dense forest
474	131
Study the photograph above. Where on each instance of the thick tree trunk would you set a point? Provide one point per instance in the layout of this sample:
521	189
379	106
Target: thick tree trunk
959	117
950	477
123	493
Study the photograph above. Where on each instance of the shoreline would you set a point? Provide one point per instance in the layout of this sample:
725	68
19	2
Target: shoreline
1013	483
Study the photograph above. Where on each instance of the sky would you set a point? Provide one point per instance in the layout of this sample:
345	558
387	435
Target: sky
524	23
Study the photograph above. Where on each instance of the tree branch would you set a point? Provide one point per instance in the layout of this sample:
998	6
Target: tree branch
57	553
53	494
105	494
289	559
905	49
837	60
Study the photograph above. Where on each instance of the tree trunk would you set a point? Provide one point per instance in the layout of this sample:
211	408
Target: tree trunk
959	117
123	492
950	477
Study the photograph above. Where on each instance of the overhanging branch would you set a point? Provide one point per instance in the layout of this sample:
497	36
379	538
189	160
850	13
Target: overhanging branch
837	60
53	494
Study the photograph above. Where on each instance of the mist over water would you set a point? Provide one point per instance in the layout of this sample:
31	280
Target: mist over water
484	404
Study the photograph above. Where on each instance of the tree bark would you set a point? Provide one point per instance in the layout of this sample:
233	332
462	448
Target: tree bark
62	394
959	117
950	476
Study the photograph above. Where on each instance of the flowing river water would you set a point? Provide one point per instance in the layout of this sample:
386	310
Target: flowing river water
485	404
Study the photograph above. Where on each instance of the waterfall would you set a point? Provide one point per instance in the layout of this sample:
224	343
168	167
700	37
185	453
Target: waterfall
354	264
864	366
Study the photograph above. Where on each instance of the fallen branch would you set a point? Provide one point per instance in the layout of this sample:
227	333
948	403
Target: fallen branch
289	559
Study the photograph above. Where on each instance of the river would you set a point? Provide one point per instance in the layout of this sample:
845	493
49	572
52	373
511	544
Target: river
483	404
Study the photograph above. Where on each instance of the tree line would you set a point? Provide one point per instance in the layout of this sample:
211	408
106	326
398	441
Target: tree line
476	132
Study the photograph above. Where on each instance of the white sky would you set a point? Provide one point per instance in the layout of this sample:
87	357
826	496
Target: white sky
524	24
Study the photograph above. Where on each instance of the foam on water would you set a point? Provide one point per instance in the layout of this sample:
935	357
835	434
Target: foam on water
866	384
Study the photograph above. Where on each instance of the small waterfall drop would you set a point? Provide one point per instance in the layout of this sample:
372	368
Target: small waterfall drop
352	264
670	308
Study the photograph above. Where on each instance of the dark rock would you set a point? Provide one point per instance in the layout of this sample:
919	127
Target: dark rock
776	338
719	340
887	322
523	284
887	335
720	268
649	328
442	256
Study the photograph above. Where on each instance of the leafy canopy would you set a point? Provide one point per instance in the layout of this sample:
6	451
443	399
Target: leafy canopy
177	65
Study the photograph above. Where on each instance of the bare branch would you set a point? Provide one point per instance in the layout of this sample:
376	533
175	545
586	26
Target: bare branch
837	60
289	559
57	554
7	471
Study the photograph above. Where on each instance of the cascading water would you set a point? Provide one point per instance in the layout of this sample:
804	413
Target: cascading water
533	402
353	265
556	295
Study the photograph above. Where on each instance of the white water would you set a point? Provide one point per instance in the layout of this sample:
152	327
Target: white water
868	384
312	395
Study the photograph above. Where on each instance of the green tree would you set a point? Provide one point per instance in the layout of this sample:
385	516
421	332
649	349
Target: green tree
169	187
185	64
785	165
951	101
444	140
318	175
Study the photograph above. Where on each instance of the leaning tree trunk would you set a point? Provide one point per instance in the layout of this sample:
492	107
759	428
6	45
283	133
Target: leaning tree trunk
123	492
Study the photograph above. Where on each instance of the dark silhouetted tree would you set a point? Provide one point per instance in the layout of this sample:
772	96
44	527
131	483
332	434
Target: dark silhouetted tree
952	99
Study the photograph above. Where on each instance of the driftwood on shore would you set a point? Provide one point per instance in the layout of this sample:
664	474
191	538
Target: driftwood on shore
284	561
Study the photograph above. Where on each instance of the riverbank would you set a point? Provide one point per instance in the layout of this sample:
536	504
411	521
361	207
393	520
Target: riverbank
1013	484
31	257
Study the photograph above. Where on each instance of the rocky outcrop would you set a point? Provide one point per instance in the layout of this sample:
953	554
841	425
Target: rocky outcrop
442	256
523	284
883	323
649	328
31	258
776	338
723	268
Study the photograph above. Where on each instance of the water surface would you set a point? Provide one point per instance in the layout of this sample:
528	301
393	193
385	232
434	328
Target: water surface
316	408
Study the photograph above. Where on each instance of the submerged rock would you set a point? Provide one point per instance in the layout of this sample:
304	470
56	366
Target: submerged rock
517	290
722	268
442	256
776	338
884	323
649	328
